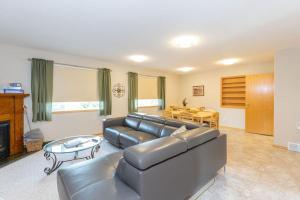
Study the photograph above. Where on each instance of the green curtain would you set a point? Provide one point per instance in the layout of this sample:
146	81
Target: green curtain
41	89
104	86
132	92
161	91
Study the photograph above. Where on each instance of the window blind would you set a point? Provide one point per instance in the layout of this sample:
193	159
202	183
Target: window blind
147	87
71	84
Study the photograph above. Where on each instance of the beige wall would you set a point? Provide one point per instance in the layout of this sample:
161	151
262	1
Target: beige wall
211	81
16	68
287	96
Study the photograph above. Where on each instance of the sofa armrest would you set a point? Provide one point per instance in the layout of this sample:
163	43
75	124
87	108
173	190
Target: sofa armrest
150	153
118	121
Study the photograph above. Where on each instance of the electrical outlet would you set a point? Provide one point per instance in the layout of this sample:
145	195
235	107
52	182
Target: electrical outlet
298	125
294	147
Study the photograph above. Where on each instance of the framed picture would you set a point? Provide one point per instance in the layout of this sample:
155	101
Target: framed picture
198	90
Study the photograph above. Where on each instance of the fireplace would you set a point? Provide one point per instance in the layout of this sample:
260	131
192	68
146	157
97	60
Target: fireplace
4	139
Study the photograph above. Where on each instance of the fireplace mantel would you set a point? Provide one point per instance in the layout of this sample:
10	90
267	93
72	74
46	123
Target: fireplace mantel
11	109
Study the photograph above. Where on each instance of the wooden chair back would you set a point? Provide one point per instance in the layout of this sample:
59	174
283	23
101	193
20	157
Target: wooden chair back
186	116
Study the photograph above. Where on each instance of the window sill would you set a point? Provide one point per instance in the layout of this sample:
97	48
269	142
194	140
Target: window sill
148	107
74	111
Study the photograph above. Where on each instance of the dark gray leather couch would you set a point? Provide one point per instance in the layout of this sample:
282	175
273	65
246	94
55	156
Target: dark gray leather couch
167	168
135	129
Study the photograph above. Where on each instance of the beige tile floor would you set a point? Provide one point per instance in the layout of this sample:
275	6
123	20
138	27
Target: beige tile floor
256	170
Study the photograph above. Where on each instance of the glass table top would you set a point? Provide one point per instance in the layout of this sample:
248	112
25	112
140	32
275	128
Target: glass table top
59	146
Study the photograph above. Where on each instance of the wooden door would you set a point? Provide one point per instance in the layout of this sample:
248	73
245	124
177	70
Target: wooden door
260	104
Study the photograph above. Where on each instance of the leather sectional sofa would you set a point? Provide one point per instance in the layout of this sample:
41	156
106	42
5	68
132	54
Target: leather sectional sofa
160	168
135	129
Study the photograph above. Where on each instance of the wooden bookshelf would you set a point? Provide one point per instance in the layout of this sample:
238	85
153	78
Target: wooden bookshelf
233	92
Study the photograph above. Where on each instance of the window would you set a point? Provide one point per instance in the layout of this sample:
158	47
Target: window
74	106
147	91
148	102
74	89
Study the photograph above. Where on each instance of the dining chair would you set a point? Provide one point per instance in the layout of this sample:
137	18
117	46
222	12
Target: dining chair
213	121
186	116
167	114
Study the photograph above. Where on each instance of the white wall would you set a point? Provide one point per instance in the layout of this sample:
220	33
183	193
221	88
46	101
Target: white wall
16	68
287	96
211	81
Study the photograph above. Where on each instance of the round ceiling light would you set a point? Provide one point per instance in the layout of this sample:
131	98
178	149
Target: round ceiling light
138	58
185	41
229	61
185	69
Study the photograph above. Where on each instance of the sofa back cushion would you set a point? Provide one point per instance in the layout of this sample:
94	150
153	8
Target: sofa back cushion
150	127
154	118
132	122
135	115
178	124
150	153
198	136
167	131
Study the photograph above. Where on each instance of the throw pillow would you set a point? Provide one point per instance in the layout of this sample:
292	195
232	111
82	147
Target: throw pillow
179	130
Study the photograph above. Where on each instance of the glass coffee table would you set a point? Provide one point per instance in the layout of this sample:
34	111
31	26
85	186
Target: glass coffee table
89	145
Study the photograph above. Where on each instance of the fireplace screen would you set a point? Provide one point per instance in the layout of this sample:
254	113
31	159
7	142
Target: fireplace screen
4	139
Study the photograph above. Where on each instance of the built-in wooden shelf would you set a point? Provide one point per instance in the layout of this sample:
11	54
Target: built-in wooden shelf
233	92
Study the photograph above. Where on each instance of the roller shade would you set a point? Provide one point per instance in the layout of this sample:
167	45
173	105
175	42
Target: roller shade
147	88
71	84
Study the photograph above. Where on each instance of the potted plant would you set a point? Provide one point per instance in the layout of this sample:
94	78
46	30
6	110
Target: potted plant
184	102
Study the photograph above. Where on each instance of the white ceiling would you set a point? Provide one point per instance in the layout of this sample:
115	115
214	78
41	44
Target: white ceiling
113	29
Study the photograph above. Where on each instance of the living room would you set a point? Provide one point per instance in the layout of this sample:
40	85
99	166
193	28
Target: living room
154	61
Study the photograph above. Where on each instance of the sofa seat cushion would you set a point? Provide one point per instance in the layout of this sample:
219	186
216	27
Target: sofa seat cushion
112	133
76	177
129	138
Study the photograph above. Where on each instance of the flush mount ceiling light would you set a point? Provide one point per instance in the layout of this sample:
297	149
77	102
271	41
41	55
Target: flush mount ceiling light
185	69
185	41
229	61
138	58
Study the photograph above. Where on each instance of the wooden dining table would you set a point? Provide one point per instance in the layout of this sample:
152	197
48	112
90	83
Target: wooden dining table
202	115
199	116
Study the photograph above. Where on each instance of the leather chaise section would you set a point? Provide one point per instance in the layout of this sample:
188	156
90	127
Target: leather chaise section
154	152
76	177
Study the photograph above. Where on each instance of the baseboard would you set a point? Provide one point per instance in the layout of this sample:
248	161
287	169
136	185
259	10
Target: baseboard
280	147
233	128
